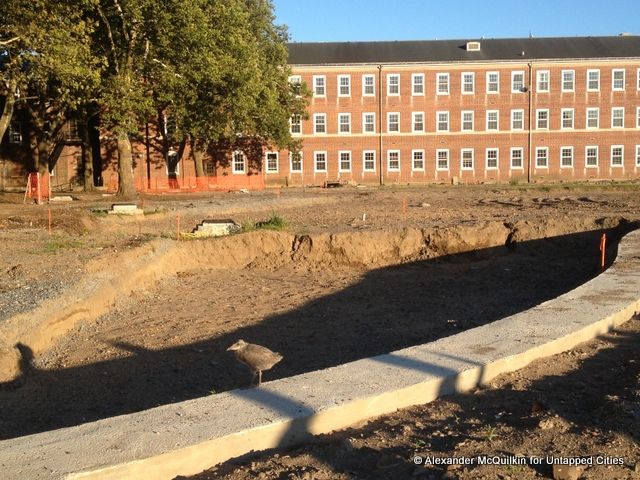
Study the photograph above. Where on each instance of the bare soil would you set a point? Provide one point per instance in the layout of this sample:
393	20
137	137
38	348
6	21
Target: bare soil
364	272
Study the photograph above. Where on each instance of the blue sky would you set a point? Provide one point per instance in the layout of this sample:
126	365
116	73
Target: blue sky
353	20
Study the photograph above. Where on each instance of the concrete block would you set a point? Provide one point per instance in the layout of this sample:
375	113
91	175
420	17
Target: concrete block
125	209
216	228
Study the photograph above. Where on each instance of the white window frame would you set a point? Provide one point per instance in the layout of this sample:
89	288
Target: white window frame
562	112
638	79
340	78
442	75
364	85
637	117
497	129
614	109
613	79
348	152
493	92
234	169
586	156
573	81
315	123
546	150
395	76
413	160
486	158
389	169
438	167
291	162
513	78
562	150
538	127
548	81
324	86
592	109
364	123
266	162
364	160
389	115
14	133
613	147
291	124
516	149
462	114
413	122
414	76
342	116
473	161
444	112
637	155
593	70
295	80
513	113
463	84
315	161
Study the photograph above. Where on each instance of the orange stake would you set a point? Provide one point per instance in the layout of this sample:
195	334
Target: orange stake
49	221
178	222
603	250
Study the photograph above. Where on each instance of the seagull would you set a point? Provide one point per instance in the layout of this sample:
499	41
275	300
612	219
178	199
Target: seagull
256	357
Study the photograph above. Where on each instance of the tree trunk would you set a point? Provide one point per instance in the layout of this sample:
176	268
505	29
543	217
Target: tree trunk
44	149
126	186
87	158
7	111
197	152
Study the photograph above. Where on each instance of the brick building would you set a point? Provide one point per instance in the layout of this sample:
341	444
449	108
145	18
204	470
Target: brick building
480	111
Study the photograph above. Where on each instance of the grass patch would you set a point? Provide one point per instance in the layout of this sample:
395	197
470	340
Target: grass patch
100	213
274	222
61	242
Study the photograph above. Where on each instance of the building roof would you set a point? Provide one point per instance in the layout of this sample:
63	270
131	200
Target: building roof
442	51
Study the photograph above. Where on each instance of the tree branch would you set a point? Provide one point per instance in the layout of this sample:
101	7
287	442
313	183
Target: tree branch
11	40
110	36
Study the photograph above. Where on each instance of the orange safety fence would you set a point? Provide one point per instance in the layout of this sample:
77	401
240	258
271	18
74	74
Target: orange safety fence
193	184
38	187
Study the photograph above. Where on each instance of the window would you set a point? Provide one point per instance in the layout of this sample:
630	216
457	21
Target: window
617	155
209	169
637	117
417	121
566	157
593	117
393	84
296	161
443	83
517	82
568	80
345	161
492	158
442	159
15	132
493	82
467	121
344	123
368	122
517	119
442	121
296	124
492	120
593	80
319	86
417	160
319	123
368	85
543	81
272	162
344	85
393	122
319	161
417	84
591	156
72	129
542	119
517	155
296	83
468	83
542	157
617	80
369	160
638	79
567	118
637	155
238	164
393	160
617	117
466	158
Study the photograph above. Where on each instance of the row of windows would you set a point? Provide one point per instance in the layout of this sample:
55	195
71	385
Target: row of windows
442	159
467	121
544	82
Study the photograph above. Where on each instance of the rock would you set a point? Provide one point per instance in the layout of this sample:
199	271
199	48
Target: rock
565	472
346	445
425	204
546	424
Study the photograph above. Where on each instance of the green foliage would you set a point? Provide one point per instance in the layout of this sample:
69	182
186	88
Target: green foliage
61	242
274	222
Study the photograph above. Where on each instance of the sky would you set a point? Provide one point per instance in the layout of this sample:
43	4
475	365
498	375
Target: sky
363	20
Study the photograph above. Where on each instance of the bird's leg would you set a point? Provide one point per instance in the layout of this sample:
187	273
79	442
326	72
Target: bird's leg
259	378
253	377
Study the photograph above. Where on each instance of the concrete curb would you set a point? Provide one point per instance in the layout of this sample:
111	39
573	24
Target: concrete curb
188	437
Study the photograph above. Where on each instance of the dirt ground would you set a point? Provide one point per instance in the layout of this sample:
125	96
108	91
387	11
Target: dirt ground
166	341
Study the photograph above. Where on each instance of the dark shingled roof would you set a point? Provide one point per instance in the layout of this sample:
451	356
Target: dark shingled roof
340	53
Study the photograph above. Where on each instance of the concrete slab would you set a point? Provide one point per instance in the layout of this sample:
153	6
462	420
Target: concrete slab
188	437
216	228
125	209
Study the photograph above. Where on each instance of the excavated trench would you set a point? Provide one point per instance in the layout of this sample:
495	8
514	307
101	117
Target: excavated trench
154	328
